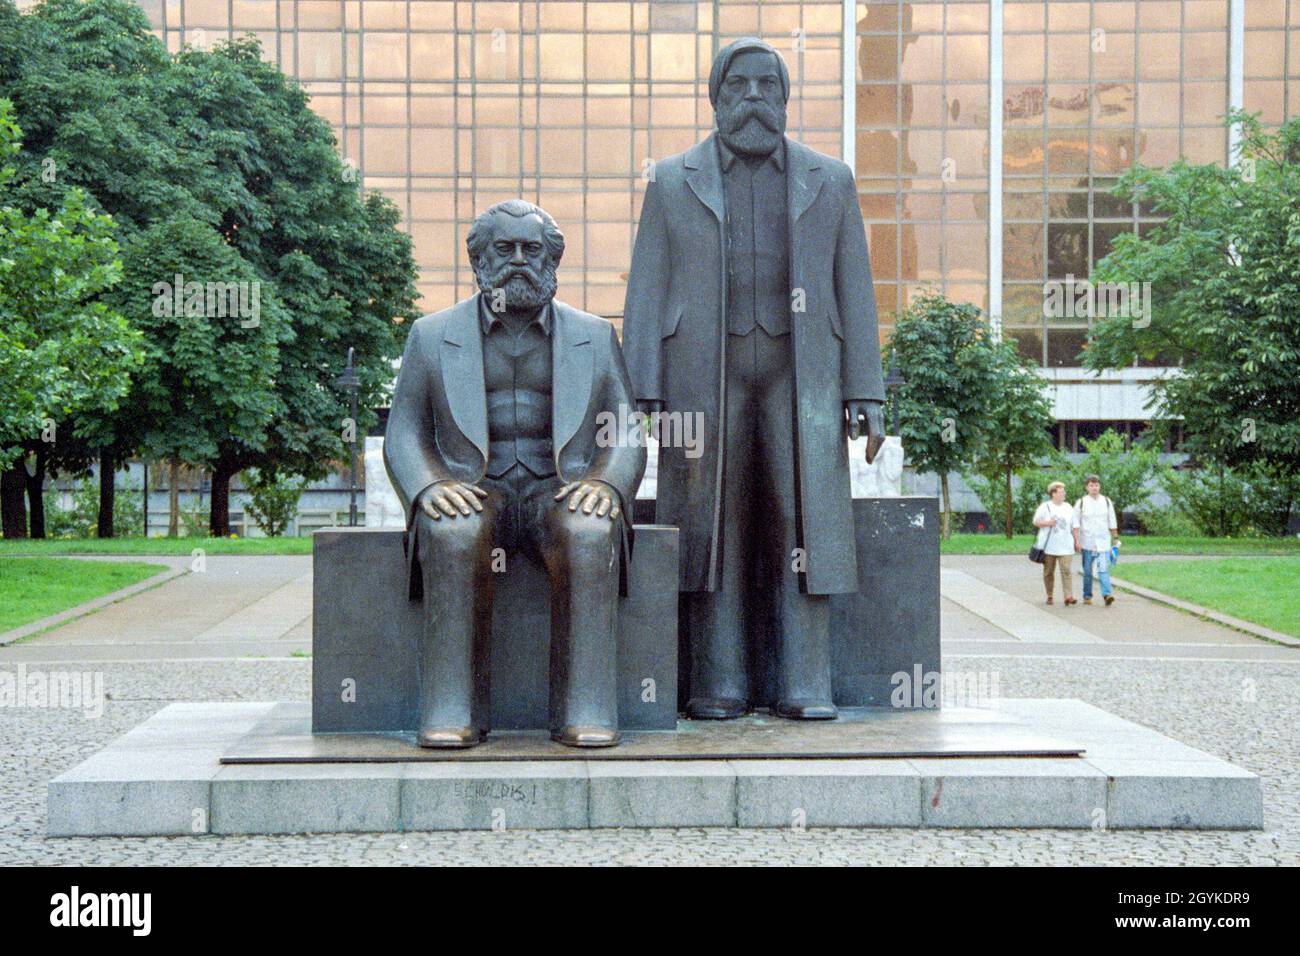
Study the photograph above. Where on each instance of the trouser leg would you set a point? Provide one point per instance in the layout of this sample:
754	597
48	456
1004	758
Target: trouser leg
455	558
717	621
1064	562
1088	557
800	622
1103	572
1049	569
581	556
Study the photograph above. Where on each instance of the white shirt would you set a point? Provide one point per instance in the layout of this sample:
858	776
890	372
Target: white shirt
1094	518
1056	540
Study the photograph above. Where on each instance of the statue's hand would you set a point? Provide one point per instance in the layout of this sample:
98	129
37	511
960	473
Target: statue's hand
451	498
595	497
864	412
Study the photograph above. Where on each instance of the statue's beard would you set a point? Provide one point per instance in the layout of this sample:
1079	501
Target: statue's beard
754	129
522	289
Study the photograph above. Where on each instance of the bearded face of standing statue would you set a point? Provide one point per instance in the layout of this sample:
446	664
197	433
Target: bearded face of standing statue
750	112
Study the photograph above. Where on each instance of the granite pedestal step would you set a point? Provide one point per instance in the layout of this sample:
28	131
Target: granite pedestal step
284	735
166	777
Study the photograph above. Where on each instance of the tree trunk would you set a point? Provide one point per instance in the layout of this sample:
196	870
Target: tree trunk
173	498
13	504
219	515
945	527
107	490
36	495
1007	502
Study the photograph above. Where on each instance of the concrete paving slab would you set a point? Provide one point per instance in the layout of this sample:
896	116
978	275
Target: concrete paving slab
154	780
827	793
494	796
1019	618
698	793
317	798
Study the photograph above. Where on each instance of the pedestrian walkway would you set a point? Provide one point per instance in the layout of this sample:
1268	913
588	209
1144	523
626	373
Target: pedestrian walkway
1018	618
994	606
240	606
227	606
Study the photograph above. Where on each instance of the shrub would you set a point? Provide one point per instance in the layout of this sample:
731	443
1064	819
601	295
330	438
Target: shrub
1253	500
273	500
81	520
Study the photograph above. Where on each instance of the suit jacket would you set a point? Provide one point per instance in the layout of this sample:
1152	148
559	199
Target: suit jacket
674	335
438	427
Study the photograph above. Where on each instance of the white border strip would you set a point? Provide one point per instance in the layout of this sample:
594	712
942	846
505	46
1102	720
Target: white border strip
848	85
1236	70
995	168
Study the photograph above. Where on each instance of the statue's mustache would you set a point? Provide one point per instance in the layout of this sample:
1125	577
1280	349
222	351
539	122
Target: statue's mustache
504	275
735	119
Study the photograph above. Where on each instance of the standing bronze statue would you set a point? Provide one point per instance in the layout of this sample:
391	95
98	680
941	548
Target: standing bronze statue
495	447
750	301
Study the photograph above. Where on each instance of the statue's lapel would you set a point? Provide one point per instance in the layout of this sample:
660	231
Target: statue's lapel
804	180
571	375
705	178
462	374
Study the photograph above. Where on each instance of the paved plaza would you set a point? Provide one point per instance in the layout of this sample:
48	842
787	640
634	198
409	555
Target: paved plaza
240	630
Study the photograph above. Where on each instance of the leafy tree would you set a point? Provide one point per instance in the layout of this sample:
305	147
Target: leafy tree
1015	427
62	351
949	363
272	500
83	78
338	262
224	139
212	338
1225	272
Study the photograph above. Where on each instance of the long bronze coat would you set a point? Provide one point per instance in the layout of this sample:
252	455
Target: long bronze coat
438	425
674	339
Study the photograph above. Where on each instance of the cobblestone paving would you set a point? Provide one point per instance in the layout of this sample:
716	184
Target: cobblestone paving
1245	712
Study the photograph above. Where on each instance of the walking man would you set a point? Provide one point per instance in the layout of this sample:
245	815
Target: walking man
1094	527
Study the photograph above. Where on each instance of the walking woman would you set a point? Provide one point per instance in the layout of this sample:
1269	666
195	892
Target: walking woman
1054	520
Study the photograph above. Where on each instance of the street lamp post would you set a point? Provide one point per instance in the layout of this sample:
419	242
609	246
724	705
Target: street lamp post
352	383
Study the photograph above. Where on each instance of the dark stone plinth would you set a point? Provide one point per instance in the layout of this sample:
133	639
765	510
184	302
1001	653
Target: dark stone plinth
365	630
891	625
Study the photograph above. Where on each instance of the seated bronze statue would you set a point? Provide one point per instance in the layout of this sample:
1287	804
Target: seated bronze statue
495	447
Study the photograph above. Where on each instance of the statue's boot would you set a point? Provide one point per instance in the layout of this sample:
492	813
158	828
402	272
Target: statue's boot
804	667
716	708
719	681
586	736
449	738
806	709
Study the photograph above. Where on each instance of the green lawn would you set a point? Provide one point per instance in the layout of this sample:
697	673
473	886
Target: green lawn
33	588
1261	590
47	546
1133	545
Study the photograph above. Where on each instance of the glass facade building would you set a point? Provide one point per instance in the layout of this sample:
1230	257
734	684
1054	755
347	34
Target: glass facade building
986	136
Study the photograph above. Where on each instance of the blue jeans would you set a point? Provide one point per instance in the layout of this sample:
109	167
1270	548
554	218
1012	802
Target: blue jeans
1102	559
